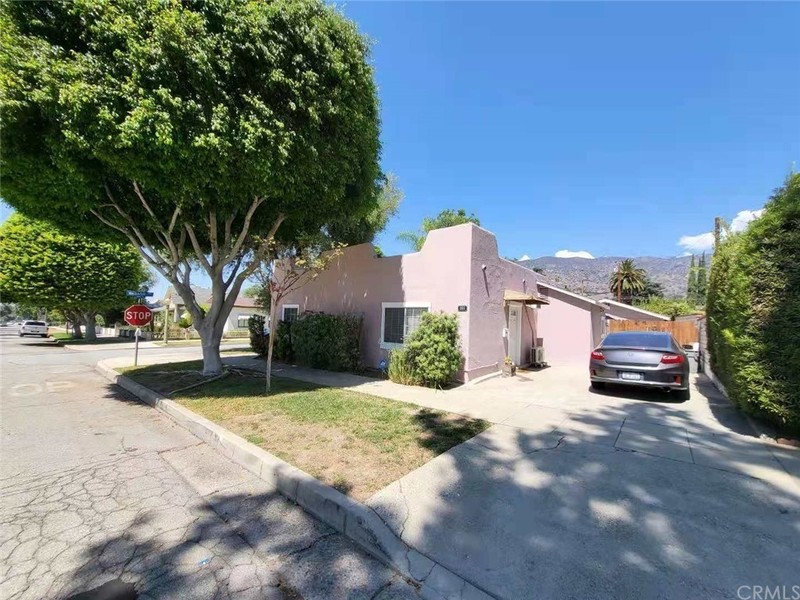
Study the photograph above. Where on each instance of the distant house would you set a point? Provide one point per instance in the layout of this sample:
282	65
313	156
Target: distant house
242	310
503	308
618	310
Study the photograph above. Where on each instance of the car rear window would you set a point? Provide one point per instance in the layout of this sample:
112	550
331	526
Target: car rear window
35	323
639	339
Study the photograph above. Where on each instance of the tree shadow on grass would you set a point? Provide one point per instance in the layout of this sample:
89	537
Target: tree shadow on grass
441	431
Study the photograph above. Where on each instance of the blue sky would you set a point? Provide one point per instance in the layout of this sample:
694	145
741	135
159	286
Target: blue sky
614	128
611	128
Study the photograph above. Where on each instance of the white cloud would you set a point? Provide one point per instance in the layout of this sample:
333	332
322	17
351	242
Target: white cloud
744	217
705	241
697	243
524	257
571	254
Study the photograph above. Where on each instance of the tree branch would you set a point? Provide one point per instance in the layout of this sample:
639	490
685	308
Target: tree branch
237	245
198	250
212	236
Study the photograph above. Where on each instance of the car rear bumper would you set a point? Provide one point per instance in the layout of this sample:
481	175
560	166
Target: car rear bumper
684	385
673	377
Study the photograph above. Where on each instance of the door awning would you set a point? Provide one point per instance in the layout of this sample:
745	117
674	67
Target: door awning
514	296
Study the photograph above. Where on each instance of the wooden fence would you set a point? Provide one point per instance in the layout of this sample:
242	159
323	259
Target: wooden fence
685	332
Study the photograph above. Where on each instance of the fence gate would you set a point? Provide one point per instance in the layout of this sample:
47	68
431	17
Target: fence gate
685	332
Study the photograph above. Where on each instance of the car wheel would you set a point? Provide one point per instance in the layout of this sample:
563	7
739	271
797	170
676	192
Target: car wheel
682	395
598	385
21	335
44	335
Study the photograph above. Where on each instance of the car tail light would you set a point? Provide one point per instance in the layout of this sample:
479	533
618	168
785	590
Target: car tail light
672	359
597	355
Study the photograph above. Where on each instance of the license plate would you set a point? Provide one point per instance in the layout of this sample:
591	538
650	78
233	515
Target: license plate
631	376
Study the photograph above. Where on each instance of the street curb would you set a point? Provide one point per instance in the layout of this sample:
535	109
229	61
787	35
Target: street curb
355	520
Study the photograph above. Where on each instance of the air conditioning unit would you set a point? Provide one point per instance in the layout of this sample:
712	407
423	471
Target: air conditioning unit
537	356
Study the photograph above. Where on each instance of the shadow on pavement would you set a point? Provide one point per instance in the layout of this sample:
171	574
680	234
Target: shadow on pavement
635	501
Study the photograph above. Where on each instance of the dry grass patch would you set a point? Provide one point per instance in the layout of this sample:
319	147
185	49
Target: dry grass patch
355	442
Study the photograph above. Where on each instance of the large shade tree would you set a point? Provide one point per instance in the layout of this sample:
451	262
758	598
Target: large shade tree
76	275
205	133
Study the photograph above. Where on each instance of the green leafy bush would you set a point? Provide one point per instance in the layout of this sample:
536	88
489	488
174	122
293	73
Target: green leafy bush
283	342
670	308
753	310
400	368
329	342
432	354
259	340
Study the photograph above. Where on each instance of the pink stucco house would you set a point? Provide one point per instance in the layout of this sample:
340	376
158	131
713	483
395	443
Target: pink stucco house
503	308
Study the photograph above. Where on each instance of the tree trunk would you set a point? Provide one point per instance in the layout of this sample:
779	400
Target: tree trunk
76	327
210	338
272	332
91	331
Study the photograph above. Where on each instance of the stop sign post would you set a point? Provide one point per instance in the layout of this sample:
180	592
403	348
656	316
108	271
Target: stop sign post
137	316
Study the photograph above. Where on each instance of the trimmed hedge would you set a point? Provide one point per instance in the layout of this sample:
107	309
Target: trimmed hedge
432	354
330	342
282	350
753	309
259	341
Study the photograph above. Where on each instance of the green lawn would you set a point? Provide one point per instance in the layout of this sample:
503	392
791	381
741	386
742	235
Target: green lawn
244	340
68	339
355	442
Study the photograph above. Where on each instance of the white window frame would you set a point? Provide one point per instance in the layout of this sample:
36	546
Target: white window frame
246	325
285	306
384	306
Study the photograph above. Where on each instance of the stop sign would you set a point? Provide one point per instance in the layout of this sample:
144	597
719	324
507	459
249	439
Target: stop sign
138	315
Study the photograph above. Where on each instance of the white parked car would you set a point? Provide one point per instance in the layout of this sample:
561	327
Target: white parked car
33	328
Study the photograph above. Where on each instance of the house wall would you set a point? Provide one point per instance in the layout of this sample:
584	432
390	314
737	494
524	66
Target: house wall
488	312
358	282
232	321
446	273
569	328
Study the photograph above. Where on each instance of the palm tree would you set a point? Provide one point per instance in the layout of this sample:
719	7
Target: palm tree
446	218
628	279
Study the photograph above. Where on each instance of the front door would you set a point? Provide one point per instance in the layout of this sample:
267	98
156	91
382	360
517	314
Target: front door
514	333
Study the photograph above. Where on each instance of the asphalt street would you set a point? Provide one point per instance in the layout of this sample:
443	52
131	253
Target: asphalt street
97	487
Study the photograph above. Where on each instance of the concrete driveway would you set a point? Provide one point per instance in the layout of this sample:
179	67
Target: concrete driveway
624	494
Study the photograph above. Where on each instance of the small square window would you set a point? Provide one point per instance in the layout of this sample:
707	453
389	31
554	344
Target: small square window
290	312
242	321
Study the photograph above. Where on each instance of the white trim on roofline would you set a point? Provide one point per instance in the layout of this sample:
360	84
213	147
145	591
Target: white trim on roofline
634	308
384	306
571	294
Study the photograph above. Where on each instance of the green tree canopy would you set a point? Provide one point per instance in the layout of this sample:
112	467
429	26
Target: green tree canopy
446	218
360	229
199	131
627	280
42	266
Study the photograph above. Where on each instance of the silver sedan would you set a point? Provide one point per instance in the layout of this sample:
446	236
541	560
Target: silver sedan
641	358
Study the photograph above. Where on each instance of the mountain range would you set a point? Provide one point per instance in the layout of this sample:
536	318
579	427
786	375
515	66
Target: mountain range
589	276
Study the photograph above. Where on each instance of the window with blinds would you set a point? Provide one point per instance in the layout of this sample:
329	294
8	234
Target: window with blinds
400	322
